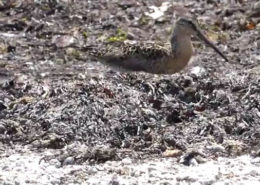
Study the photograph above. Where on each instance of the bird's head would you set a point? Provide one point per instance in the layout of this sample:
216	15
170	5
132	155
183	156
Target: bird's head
187	26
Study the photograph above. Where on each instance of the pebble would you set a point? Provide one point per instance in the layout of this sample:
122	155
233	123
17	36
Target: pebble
68	161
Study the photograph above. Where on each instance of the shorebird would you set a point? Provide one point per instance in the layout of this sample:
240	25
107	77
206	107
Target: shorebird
156	58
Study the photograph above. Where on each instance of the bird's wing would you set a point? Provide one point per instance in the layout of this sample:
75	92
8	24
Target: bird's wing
146	50
133	56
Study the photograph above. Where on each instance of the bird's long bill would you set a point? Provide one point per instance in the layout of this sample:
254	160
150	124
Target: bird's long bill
202	37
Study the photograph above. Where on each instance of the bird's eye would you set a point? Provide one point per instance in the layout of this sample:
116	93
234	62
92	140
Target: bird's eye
189	22
186	22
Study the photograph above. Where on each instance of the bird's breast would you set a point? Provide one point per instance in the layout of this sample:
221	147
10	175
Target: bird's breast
180	58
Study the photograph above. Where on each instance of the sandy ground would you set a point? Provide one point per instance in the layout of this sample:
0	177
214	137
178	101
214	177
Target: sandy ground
30	168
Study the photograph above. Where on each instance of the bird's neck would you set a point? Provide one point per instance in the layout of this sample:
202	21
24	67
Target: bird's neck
180	42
